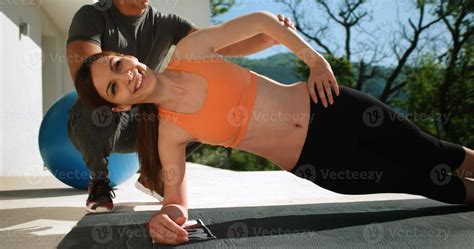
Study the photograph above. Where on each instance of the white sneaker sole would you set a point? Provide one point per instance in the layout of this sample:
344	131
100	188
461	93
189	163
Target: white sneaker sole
147	191
98	209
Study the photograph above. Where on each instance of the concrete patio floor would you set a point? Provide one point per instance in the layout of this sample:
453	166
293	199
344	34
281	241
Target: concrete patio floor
39	211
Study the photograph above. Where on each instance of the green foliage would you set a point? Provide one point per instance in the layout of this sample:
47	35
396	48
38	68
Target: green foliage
341	67
421	90
445	86
219	7
422	104
232	159
244	161
210	155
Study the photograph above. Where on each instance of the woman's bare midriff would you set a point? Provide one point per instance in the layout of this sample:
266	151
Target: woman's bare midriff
279	122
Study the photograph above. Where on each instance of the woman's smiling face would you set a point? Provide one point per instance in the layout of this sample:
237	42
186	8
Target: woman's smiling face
122	80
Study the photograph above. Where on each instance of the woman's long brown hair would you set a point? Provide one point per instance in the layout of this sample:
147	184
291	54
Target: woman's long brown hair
147	134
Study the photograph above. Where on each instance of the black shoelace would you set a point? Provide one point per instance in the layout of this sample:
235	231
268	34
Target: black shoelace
102	189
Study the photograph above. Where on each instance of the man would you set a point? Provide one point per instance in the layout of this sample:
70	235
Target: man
130	27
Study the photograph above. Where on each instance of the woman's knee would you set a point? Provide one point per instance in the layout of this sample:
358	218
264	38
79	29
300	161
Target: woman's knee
467	166
469	184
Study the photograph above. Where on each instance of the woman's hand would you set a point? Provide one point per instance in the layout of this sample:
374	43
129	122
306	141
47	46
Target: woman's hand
322	76
165	227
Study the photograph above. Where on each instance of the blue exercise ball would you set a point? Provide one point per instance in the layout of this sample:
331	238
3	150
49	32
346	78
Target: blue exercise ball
64	161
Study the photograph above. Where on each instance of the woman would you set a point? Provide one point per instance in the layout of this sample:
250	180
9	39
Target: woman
357	145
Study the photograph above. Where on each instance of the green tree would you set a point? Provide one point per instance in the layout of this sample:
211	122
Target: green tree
443	85
341	67
219	7
232	159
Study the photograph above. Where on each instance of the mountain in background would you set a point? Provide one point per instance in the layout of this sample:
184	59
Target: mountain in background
279	67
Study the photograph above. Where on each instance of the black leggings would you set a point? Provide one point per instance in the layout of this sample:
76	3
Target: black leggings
359	145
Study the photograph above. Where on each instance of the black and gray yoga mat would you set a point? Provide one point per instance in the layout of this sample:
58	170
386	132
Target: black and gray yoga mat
414	223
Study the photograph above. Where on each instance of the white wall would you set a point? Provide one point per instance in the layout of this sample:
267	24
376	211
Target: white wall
197	11
2	17
56	79
21	91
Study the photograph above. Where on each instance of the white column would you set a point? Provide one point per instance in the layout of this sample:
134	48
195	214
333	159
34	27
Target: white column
21	91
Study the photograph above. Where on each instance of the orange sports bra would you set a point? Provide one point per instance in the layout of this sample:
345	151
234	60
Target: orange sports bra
224	117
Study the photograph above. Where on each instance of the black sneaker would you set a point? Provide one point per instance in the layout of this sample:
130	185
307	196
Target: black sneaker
100	196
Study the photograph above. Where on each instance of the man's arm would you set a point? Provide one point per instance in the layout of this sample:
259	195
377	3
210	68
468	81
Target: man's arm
84	36
249	46
77	52
245	47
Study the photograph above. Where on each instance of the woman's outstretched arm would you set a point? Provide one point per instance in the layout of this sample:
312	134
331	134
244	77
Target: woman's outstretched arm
255	44
213	39
166	225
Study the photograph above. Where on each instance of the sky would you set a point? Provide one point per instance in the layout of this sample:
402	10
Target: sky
387	14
